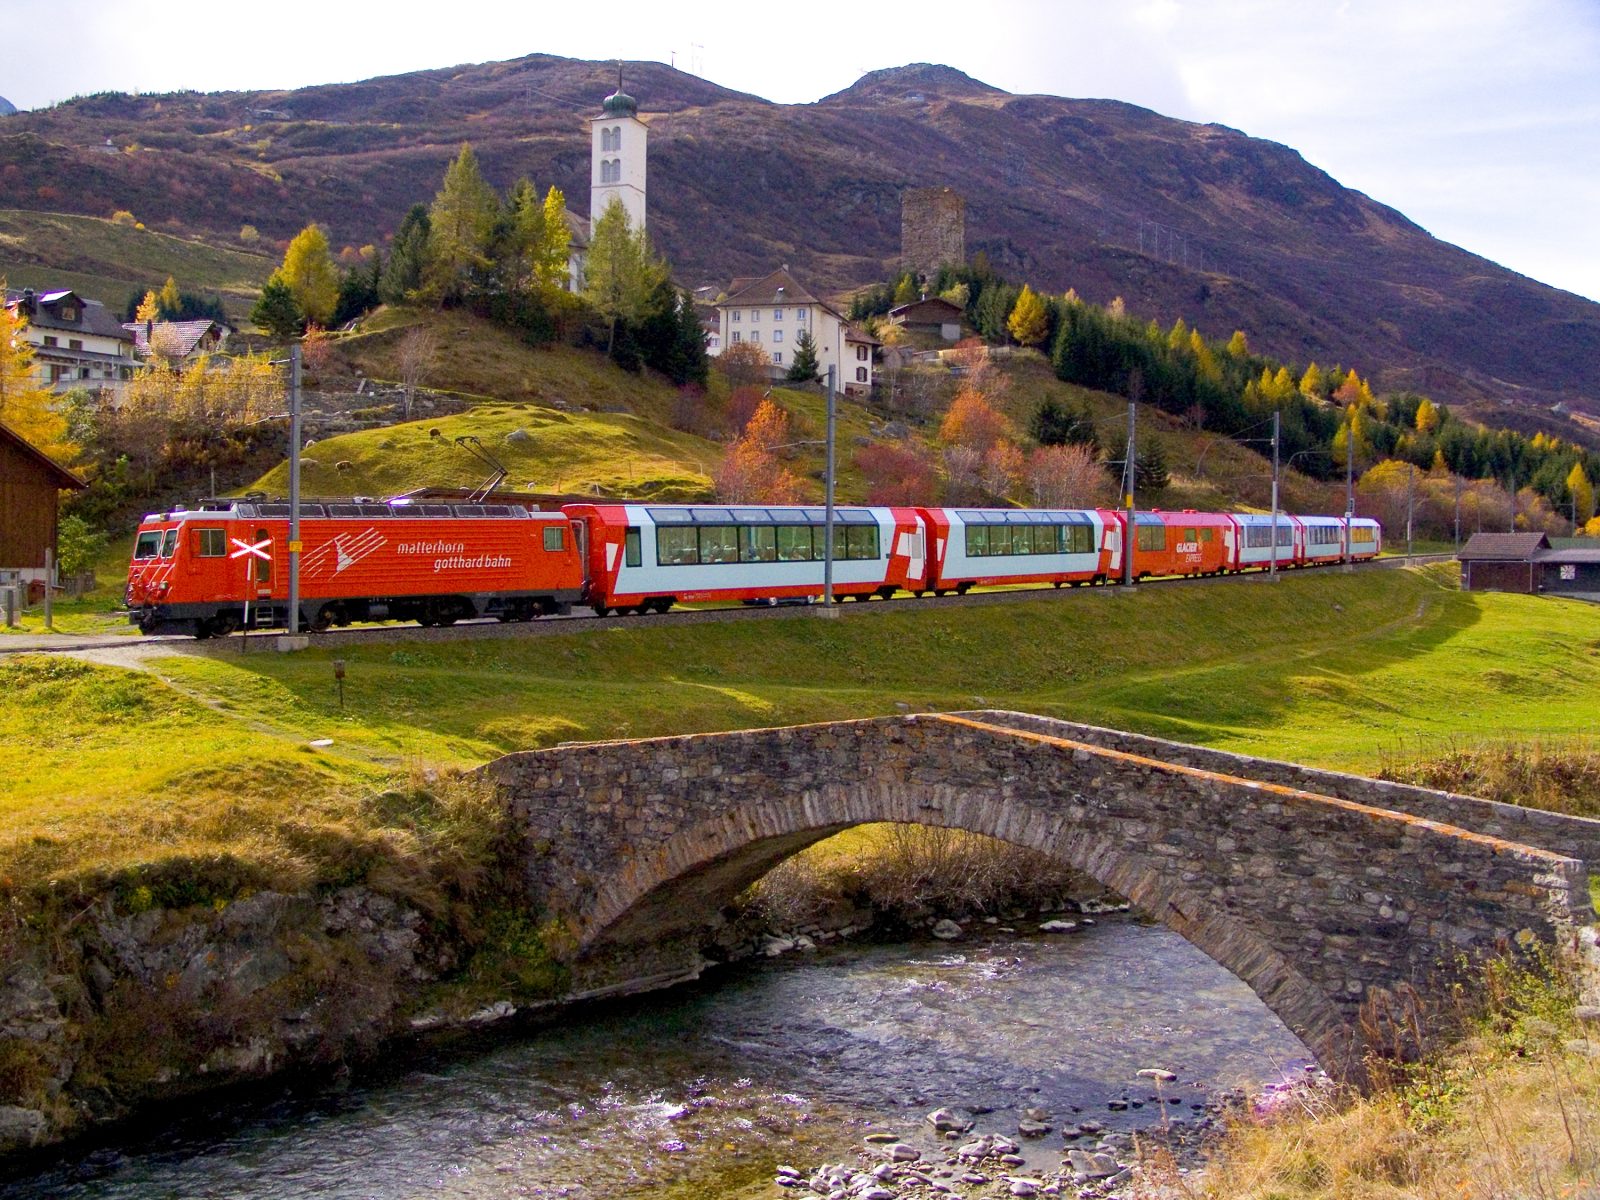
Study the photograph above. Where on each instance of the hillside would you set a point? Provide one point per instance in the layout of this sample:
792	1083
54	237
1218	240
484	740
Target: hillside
110	261
1198	221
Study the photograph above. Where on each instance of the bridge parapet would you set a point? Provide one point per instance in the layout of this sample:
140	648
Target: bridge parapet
1319	903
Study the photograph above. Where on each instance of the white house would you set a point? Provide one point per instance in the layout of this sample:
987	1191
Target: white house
76	342
774	310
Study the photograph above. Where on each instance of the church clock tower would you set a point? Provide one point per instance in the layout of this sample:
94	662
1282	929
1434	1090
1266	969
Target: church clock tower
617	159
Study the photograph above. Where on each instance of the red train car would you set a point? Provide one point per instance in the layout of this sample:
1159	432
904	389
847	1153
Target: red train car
1179	543
647	557
225	566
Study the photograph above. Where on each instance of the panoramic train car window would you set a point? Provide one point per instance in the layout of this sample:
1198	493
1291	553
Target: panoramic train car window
677	547
794	543
213	543
760	543
719	543
860	541
148	545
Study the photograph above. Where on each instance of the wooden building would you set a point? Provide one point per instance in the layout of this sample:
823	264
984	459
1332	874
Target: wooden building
1530	563
30	486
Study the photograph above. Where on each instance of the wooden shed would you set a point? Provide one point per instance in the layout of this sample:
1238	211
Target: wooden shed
30	486
1501	562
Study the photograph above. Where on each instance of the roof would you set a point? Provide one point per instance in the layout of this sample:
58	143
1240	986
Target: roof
1503	547
1572	554
64	478
97	319
578	228
930	302
780	289
184	335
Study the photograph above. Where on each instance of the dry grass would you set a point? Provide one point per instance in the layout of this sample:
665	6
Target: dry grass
1510	1113
1561	775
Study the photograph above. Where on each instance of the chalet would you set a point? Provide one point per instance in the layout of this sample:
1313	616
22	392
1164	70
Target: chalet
30	486
774	310
933	315
178	341
1531	563
77	343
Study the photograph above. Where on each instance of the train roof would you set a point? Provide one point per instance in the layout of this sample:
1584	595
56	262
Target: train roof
350	507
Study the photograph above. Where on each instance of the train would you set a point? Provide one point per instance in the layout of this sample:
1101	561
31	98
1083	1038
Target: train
224	564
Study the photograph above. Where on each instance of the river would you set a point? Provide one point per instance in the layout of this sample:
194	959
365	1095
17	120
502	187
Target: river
701	1091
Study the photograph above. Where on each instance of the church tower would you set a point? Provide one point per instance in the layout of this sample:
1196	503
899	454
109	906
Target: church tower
616	167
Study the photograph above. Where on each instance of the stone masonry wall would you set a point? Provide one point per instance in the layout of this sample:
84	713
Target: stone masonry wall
933	229
1574	837
1317	903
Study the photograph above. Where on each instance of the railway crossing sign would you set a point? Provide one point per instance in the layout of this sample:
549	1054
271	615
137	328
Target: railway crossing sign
258	549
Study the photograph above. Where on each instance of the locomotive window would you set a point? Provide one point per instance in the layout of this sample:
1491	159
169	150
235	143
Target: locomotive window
675	547
861	541
1189	536
554	538
149	545
263	565
977	541
719	543
794	543
169	544
1207	534
213	543
632	554
760	544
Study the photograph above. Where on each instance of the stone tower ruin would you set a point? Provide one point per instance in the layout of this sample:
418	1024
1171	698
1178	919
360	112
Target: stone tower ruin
933	229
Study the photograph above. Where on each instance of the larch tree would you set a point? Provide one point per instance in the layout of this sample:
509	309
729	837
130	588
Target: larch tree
1427	416
26	408
1238	345
1581	489
461	221
1028	322
1314	384
170	298
550	253
622	271
310	275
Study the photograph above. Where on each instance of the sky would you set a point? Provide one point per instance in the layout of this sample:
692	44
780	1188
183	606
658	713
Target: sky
1477	119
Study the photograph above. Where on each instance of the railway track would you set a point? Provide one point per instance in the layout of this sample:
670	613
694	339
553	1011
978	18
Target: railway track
261	641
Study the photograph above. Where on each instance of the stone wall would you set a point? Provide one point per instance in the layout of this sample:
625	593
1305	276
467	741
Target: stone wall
933	229
1319	904
1574	837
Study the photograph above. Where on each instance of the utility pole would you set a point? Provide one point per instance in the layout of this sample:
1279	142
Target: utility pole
1457	478
1349	490
1129	459
1272	563
827	519
1411	482
294	489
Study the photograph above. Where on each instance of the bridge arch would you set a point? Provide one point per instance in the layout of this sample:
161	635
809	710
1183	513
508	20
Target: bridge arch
1315	902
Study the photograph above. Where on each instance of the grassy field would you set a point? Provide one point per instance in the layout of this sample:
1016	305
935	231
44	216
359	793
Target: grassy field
109	262
212	754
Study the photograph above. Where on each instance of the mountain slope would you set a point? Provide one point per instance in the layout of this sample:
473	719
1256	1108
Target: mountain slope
1180	219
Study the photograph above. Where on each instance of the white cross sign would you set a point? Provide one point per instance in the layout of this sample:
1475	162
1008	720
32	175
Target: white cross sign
259	549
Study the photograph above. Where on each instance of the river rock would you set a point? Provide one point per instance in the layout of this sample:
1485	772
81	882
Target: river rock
774	946
1156	1073
900	1152
1086	1165
946	930
875	1193
1058	926
1024	1187
945	1121
1029	1128
21	1127
879	1138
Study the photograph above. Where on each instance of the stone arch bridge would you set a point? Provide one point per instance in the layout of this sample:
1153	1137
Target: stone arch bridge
1320	891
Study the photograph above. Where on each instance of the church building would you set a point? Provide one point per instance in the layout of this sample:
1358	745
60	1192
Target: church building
616	173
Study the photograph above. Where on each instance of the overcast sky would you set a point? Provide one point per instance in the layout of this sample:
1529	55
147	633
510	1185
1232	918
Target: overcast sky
1478	119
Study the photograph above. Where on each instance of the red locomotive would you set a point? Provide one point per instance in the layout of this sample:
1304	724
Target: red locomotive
224	565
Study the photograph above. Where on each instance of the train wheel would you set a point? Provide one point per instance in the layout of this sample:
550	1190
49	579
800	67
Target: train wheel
322	621
661	603
600	610
202	630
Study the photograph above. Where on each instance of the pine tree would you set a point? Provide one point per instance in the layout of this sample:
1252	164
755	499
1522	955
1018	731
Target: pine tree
402	277
694	364
1051	423
276	311
310	275
462	220
804	367
1028	322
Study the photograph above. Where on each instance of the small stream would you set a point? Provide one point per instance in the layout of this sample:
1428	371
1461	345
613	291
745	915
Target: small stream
698	1092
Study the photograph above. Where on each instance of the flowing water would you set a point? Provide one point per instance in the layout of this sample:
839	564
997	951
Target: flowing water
700	1091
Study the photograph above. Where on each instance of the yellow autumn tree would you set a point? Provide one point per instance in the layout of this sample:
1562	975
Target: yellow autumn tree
1427	416
1028	321
1582	489
310	275
26	408
1314	384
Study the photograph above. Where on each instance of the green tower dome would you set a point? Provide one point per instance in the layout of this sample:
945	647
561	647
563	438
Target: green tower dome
620	104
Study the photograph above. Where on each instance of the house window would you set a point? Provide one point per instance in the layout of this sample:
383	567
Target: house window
861	374
734	316
777	358
68	313
861	354
755	335
755	314
800	315
736	335
74	343
777	314
777	335
49	339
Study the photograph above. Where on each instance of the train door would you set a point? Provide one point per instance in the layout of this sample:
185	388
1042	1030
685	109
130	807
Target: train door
917	568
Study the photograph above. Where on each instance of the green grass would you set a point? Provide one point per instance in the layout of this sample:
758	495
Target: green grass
108	767
108	262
